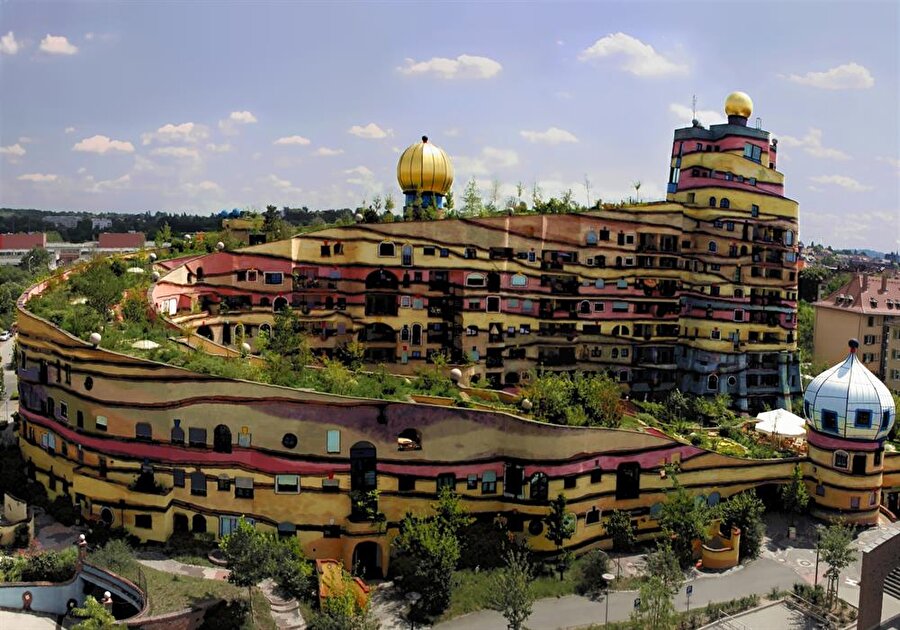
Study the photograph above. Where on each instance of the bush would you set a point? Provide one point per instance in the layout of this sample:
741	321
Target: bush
21	536
621	529
100	536
50	566
484	544
115	556
11	568
62	510
590	576
292	572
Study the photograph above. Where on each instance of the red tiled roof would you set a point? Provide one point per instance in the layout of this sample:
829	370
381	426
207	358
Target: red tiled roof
867	295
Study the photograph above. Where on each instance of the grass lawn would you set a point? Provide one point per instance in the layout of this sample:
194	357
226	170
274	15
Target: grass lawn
630	422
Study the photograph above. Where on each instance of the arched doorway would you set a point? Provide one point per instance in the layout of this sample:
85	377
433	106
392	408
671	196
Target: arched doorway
198	524
363	478
180	523
205	331
367	560
279	304
222	439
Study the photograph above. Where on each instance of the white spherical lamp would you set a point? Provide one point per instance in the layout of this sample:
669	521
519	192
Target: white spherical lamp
220	245
95	339
154	276
152	257
527	405
456	375
245	348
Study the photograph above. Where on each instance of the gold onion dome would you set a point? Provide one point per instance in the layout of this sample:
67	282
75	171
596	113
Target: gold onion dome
738	104
424	167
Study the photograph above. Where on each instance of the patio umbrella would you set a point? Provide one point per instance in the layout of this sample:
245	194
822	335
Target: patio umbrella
781	422
145	344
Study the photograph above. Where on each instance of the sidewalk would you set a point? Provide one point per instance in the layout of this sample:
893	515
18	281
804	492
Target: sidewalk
574	611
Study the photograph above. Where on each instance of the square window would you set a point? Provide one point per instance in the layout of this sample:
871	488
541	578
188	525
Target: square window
489	482
863	418
178	478
143	521
596	475
252	275
446	480
101	423
243	487
445	253
333	441
63	410
197	437
406	483
592	517
274	277
820	490
471	252
854	503
570	482
223	484
287	484
428	251
829	420
472	482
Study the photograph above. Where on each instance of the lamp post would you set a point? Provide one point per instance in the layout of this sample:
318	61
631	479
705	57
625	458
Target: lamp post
819	529
413	598
608	577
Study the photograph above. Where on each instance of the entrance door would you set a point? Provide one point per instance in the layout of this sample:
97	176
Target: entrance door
363	477
367	560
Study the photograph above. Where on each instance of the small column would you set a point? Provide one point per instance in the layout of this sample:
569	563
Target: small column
107	601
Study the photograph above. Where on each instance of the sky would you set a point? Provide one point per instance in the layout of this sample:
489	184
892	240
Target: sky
201	106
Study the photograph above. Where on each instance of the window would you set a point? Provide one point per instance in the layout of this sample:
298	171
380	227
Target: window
829	420
143	521
754	210
519	280
863	418
80	420
445	480
873	498
691	197
333	441
178	477
472	482
493	304
628	480
198	484
820	490
712	382
712	202
405	301
591	238
386	249
596	475
63	410
252	275
445	253
143	431
474	305
274	277
570	482
197	437
243	487
287	484
854	503
223	483
489	482
475	280
471	252
406	483
885	419
752	152
729	225
289	440
713	247
592	517
841	459
738	315
428	251
100	423
715	333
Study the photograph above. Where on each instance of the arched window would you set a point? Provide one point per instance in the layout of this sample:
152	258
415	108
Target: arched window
712	382
265	328
406	258
841	459
712	202
724	203
265	302
519	280
475	280
387	249
239	331
584	307
713	247
279	304
417	334
409	440
615	353
200	274
404	333
222	439
538	487
381	279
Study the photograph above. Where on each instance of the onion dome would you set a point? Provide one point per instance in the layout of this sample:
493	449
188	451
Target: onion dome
738	104
424	167
848	401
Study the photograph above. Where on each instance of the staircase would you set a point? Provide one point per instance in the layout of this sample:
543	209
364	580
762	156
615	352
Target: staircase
285	612
892	583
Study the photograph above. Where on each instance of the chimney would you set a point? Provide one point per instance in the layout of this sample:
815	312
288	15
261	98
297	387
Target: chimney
864	282
883	283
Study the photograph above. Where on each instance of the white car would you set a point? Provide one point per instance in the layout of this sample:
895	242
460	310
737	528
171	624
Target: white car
5	335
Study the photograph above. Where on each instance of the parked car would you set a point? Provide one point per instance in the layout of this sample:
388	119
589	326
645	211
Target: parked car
5	335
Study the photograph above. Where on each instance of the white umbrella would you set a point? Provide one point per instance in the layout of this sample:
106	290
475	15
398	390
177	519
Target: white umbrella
134	270
145	344
781	422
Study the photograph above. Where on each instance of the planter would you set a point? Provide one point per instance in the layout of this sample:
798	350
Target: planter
433	400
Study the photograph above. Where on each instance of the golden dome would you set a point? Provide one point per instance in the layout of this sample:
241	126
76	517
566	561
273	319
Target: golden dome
424	167
738	104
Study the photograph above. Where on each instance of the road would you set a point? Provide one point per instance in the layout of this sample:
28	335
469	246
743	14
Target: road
7	407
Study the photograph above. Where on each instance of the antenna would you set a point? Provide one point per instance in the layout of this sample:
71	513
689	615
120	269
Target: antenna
694	106
758	122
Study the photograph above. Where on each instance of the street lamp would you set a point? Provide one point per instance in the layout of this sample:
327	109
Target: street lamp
819	529
608	577
413	598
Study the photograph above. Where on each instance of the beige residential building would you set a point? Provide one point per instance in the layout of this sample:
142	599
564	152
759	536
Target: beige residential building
867	308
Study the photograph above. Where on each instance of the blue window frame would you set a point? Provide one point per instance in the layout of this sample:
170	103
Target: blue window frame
829	420
885	420
806	409
274	277
863	418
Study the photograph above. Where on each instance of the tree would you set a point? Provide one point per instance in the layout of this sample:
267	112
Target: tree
95	616
568	200
163	236
37	259
794	495
449	202
806	319
431	552
621	530
493	205
248	555
587	192
683	519
637	189
341	610
472	204
600	397
274	225
537	197
835	550
745	511
520	189
656	611
560	526
512	594
663	564
449	512
389	203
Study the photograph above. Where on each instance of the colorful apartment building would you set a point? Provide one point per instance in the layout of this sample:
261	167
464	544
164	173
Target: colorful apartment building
867	308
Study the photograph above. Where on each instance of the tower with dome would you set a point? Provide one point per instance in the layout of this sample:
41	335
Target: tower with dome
425	175
849	413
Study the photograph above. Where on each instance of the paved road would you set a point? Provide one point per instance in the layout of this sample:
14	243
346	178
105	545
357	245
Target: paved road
572	611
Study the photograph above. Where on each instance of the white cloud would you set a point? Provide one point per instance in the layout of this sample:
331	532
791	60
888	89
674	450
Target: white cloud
640	59
182	153
185	132
463	67
58	45
218	148
25	139
82	170
39	178
553	135
362	176
234	119
848	76
289	140
69	130
889	160
102	144
14	150
705	116
487	162
370	131
363	171
847	183
9	45
278	182
89	36
326	152
206	186
811	143
451	133
111	184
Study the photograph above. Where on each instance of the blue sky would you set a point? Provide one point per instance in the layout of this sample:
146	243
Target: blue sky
201	106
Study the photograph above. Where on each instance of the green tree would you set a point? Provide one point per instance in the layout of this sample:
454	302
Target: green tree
560	526
431	553
450	515
341	610
551	397
163	236
594	565
806	318
291	570
656	611
512	593
621	530
95	616
36	260
389	204
684	519
663	564
600	397
836	552
274	226
472	203
248	555
745	511
794	495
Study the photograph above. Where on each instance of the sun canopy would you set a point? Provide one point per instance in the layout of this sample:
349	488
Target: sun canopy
780	422
145	344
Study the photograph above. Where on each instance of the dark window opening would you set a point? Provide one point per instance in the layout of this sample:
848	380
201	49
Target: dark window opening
628	480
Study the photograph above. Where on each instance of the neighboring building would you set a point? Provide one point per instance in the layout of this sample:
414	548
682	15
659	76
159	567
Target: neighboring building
121	241
867	308
244	229
14	246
